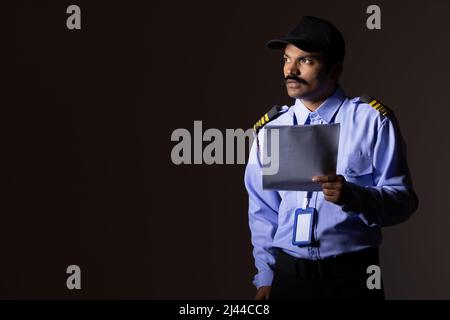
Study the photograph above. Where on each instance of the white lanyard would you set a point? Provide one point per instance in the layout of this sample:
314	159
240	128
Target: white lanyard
306	200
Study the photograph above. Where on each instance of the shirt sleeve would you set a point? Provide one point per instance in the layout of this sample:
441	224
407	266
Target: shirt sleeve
391	200
263	219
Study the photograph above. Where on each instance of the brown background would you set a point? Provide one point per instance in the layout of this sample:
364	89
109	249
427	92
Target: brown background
86	172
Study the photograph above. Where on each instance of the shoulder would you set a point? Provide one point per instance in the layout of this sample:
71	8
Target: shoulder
276	115
368	108
371	105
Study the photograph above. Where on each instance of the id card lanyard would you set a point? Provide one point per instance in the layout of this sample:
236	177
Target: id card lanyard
304	223
303	219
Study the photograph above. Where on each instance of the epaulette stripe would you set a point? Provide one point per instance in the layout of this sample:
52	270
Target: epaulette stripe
263	121
374	103
384	111
269	116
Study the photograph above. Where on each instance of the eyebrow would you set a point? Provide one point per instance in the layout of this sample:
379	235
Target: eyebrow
315	56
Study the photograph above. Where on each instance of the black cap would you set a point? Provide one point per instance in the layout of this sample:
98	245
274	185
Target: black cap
313	35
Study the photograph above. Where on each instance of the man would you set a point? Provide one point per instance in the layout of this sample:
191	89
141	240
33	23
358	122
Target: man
371	188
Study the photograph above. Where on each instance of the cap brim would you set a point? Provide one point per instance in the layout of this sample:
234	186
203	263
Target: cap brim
303	44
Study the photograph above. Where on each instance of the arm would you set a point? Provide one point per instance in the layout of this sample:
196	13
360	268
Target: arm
392	199
263	220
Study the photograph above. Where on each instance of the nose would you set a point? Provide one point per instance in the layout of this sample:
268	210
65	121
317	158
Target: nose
291	69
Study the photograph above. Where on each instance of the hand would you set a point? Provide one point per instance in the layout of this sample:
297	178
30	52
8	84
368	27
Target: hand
263	293
335	188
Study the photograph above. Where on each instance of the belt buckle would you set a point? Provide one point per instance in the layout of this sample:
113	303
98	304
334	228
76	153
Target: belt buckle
309	269
317	268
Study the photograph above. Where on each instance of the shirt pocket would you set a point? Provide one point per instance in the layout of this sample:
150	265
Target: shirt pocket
359	169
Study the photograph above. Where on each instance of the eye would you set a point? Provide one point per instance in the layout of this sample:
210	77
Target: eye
306	60
286	59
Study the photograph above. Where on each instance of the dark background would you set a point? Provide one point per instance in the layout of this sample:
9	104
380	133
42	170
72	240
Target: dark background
86	172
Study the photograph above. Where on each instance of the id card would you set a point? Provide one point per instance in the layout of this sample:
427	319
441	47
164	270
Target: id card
303	226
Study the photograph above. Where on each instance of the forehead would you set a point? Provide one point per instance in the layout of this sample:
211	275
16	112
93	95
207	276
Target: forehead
293	51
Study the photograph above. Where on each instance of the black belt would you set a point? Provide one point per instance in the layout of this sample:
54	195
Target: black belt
345	264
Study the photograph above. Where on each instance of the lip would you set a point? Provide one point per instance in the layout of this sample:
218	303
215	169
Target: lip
293	84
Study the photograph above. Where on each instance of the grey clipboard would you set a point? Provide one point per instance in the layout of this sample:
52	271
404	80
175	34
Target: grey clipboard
304	151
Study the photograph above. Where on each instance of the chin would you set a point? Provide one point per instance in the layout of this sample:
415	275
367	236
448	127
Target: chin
296	94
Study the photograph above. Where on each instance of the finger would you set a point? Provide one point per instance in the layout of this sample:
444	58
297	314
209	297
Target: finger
332	185
259	296
331	198
320	178
330	192
326	178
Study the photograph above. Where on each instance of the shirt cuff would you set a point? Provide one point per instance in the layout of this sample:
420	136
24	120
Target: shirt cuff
263	278
357	202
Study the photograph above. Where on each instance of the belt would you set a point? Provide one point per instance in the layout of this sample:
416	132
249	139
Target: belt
346	264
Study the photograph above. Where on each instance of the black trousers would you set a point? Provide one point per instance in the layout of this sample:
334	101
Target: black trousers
341	277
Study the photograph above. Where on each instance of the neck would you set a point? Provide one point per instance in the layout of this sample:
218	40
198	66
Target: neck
313	104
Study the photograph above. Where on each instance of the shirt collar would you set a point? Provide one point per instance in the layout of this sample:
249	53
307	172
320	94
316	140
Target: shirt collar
326	110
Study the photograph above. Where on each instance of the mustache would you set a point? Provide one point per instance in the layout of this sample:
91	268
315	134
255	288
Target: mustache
294	77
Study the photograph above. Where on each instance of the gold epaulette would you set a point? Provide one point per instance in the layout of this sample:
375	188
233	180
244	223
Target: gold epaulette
376	104
272	114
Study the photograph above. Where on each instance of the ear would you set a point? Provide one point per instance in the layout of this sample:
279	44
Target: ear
336	71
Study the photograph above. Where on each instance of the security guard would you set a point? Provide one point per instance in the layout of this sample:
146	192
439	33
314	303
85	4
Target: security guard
372	186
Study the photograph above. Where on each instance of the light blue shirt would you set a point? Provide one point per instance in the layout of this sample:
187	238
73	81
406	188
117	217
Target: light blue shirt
371	157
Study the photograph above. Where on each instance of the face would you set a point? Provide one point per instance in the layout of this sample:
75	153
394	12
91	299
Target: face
306	74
